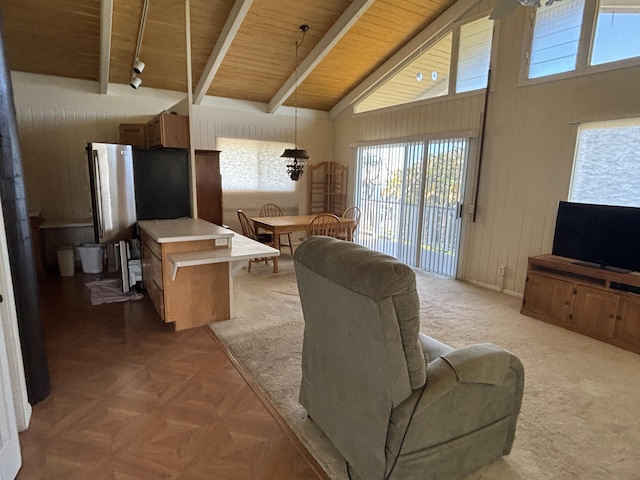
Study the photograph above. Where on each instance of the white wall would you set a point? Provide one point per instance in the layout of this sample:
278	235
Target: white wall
528	151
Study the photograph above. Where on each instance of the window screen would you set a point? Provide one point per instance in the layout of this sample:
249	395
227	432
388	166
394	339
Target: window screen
556	35
607	165
253	165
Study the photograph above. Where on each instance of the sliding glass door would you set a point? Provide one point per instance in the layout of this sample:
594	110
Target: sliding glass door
410	195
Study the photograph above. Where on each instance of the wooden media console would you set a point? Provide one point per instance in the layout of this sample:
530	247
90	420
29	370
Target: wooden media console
597	302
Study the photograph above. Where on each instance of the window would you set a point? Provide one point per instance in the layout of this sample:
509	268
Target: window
617	35
253	165
410	194
606	169
474	55
563	28
427	73
556	36
426	76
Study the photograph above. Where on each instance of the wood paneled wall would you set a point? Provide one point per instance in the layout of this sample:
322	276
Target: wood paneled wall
249	121
56	119
528	152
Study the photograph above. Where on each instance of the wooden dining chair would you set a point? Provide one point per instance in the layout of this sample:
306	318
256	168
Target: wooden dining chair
352	213
273	210
325	224
250	232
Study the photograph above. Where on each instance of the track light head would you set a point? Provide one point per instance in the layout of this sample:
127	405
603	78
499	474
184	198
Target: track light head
138	66
135	82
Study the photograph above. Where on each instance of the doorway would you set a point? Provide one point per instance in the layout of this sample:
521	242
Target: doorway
410	194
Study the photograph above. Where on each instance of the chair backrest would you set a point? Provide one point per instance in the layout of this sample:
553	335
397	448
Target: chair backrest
360	356
324	224
247	226
354	214
270	210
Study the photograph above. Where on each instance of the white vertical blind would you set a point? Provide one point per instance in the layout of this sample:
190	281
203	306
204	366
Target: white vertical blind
444	187
409	194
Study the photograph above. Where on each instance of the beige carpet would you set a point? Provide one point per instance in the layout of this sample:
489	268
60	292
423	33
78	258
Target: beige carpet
579	417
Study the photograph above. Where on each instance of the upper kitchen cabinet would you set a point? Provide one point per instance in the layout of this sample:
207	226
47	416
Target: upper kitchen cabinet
133	134
168	130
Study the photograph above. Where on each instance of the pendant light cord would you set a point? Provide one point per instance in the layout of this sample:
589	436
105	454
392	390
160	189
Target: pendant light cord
303	29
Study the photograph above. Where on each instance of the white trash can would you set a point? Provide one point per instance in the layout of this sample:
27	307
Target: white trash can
66	256
91	257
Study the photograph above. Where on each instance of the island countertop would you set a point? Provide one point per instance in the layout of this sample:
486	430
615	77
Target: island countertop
183	230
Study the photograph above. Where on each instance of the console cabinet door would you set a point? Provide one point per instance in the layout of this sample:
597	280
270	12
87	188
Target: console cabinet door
594	312
627	329
548	298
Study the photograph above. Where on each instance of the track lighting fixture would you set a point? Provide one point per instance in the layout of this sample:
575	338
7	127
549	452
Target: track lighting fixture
135	82
138	66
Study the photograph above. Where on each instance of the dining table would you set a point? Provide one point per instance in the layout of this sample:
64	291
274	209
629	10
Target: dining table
277	226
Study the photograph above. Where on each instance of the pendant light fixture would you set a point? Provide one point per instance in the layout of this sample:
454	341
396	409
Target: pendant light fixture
298	155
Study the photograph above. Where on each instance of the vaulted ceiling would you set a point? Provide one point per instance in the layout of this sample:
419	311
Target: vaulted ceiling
241	50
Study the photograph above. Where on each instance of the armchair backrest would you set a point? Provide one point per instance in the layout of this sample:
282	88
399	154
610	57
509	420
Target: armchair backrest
361	356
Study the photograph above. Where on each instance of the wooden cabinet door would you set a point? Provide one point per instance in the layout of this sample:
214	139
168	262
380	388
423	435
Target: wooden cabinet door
133	134
594	311
208	185
548	298
168	131
627	329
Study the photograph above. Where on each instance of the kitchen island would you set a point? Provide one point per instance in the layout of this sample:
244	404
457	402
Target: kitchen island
188	266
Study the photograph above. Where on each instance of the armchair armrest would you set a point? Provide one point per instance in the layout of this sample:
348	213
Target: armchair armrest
482	363
470	389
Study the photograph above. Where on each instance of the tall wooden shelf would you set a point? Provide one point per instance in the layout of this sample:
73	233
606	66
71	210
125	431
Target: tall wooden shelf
599	303
328	188
208	185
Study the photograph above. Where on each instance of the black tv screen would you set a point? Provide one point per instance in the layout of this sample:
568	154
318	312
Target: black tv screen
603	235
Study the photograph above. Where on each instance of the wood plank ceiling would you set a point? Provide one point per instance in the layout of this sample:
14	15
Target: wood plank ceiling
62	38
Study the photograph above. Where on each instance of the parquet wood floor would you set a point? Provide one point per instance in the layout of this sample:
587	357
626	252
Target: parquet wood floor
132	399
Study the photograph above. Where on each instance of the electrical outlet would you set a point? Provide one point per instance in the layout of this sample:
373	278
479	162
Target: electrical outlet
501	270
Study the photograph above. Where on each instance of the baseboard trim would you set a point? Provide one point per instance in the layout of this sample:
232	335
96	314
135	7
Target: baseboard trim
495	288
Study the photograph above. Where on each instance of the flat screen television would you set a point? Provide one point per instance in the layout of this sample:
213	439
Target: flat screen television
602	236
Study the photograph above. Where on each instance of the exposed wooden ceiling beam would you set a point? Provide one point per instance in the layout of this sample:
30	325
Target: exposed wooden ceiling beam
437	27
324	46
106	19
229	31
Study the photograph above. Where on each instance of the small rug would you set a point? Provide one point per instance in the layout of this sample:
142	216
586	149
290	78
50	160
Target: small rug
109	290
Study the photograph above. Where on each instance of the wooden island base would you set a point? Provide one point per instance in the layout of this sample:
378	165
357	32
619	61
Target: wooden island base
188	267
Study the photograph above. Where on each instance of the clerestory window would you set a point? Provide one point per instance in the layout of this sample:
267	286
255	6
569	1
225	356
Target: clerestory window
576	35
428	73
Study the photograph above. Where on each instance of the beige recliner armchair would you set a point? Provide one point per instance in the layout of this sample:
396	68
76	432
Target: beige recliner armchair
396	403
